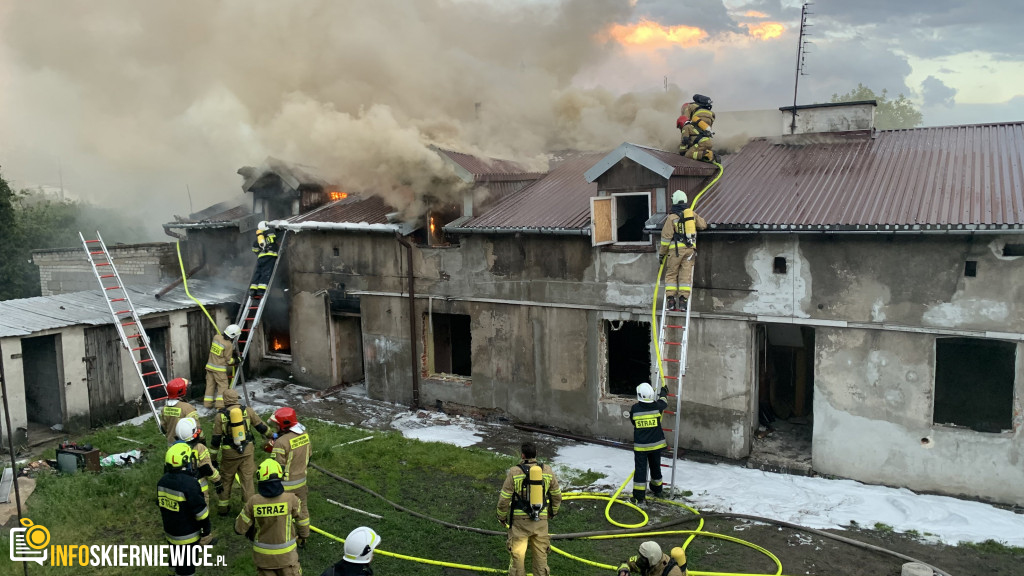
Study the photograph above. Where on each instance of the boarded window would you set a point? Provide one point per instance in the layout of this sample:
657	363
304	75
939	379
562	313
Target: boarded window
452	344
974	383
629	356
602	215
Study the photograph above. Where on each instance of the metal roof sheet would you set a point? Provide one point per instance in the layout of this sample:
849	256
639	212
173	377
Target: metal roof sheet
488	169
354	208
559	200
952	177
661	162
27	316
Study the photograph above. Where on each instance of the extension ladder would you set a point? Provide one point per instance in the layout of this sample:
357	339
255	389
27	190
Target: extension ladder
673	336
127	322
250	314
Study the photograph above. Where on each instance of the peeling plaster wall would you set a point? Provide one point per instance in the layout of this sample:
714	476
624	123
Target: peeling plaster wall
14	374
873	406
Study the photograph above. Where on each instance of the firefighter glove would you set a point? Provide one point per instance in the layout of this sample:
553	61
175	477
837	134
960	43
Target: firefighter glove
624	569
661	259
301	542
219	487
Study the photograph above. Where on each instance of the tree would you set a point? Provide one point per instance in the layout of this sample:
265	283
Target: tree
11	266
891	114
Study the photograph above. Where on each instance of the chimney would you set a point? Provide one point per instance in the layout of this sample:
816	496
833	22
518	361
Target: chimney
831	117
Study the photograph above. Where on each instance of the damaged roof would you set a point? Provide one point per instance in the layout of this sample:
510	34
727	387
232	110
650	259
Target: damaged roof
483	169
356	213
222	213
291	174
942	178
27	316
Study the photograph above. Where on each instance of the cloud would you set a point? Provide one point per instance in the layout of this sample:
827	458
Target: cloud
709	15
936	93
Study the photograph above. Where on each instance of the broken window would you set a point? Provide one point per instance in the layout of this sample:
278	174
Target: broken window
619	218
974	380
629	356
451	341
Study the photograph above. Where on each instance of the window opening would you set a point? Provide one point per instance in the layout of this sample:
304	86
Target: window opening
629	356
452	344
971	268
779	265
631	212
974	380
1013	250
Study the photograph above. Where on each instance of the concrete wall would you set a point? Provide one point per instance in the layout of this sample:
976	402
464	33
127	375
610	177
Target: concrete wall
830	118
66	270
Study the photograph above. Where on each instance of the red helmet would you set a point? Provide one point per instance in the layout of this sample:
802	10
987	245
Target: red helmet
177	388
285	418
681	121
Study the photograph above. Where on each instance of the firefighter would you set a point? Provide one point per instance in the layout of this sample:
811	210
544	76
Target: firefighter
529	497
678	249
359	547
185	515
232	429
651	561
696	141
175	409
274	521
189	432
222	358
291	449
648	439
265	248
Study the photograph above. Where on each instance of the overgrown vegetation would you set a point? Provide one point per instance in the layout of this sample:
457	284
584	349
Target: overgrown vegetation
34	220
891	113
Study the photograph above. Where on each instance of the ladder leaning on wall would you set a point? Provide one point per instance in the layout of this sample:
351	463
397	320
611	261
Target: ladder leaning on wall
127	322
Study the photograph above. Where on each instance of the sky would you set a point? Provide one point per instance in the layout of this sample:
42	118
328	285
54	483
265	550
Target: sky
153	106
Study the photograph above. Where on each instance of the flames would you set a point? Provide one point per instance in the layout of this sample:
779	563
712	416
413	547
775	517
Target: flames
650	34
431	225
337	195
277	344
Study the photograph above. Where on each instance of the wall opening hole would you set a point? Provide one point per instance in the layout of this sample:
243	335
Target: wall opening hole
1013	250
335	251
974	380
629	356
971	268
452	342
779	265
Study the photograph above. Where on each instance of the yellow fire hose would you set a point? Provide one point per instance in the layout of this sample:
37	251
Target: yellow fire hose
184	282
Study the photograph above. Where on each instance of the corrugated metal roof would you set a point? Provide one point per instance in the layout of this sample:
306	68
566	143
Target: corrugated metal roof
559	200
682	166
954	177
27	316
370	209
228	211
661	162
489	169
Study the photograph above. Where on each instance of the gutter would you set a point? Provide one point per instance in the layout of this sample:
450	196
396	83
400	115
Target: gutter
498	230
1016	229
350	226
412	323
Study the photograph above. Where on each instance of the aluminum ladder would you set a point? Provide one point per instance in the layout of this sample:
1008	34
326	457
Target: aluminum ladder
673	338
127	320
250	314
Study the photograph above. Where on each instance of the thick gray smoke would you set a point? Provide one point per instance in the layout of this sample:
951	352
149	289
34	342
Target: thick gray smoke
139	99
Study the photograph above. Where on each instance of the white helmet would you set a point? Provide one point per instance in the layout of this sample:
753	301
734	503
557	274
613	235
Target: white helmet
679	197
262	226
651	551
645	392
187	429
360	544
233	331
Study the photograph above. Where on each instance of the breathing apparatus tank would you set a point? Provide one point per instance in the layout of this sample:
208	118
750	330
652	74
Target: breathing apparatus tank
536	491
236	424
679	555
689	227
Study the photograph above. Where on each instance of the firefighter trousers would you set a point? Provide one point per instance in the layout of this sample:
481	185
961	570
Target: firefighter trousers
232	463
264	268
303	494
523	534
679	271
293	570
216	384
642	460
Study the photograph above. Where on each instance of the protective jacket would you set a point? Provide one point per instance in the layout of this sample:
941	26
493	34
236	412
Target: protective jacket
265	244
512	492
182	508
659	569
222	427
646	418
291	450
346	568
673	233
276	520
171	413
220	354
206	473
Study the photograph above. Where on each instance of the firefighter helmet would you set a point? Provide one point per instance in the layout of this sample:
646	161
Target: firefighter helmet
679	197
645	392
232	331
177	388
262	226
360	544
285	418
269	470
651	552
187	430
179	456
703	100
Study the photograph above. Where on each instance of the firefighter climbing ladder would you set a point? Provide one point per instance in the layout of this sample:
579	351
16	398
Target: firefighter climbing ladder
673	337
127	322
250	314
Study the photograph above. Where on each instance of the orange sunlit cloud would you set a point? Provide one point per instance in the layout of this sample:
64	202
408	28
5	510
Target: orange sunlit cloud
765	30
650	34
755	14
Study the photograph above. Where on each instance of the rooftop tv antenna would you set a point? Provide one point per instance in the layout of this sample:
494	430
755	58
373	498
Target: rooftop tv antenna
801	53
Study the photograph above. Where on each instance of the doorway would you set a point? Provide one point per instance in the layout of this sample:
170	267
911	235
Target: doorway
41	359
785	389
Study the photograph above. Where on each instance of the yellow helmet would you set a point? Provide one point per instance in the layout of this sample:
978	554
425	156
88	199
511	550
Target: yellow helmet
269	470
179	456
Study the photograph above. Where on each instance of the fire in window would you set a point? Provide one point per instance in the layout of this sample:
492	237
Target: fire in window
335	195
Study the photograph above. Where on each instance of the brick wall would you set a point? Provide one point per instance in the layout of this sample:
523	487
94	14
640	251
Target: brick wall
67	270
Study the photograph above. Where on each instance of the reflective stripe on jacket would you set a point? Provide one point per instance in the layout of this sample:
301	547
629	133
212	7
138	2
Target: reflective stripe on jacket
220	354
292	452
278	521
514	484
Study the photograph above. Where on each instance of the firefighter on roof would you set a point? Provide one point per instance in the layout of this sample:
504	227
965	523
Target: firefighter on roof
184	513
695	130
648	439
175	408
274	521
529	497
222	357
678	249
651	561
265	248
233	437
291	449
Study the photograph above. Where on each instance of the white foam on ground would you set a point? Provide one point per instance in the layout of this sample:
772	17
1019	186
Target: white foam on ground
458	431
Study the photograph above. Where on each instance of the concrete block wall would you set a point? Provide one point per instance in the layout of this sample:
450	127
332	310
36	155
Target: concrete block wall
67	269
